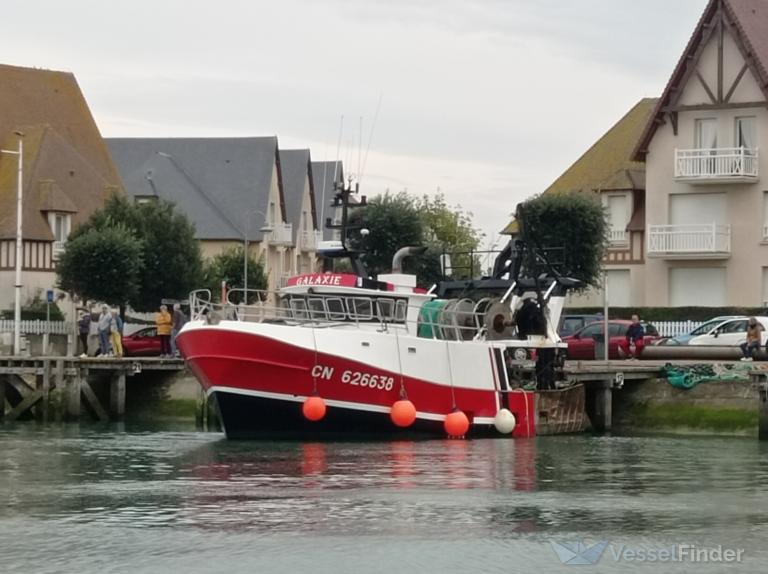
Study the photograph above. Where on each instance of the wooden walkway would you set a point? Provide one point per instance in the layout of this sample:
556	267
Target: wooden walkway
56	388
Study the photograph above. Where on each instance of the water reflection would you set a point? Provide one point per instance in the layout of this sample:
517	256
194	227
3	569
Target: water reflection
481	490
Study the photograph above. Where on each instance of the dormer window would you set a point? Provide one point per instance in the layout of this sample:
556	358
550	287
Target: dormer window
61	225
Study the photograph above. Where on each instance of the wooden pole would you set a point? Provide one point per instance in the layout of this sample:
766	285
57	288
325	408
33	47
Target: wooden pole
117	395
762	393
73	395
59	394
3	383
44	385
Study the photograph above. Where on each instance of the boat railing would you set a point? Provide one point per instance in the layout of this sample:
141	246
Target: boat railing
457	320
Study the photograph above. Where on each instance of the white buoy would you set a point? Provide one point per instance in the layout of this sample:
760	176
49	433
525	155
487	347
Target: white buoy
504	421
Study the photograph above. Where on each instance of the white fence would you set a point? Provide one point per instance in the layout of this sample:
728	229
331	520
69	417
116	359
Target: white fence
38	327
672	328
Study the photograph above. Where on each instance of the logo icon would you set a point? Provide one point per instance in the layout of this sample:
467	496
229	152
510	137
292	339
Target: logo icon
578	552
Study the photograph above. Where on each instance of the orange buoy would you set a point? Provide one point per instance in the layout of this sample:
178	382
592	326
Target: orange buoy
403	413
456	424
313	408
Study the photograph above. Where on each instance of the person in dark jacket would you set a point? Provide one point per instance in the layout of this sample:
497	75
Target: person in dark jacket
634	336
83	328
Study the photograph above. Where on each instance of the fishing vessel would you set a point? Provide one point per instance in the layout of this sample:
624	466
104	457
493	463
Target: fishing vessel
349	355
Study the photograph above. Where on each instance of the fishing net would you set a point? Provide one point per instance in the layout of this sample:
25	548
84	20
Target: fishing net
688	376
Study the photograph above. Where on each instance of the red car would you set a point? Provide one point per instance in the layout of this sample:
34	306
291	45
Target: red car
143	343
581	345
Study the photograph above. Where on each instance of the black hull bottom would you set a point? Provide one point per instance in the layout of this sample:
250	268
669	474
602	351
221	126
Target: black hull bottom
247	417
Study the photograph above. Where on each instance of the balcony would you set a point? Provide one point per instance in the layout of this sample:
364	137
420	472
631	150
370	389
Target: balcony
716	165
618	238
282	234
310	239
695	241
58	249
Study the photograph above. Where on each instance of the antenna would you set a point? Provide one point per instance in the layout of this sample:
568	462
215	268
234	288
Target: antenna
360	149
370	136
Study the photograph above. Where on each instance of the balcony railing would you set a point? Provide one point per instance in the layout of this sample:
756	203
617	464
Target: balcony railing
716	165
282	234
310	239
58	249
699	240
618	237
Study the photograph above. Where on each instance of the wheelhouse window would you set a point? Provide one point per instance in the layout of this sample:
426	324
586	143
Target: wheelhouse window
360	308
336	310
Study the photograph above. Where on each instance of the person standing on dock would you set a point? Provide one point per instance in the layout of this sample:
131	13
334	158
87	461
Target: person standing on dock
116	333
635	334
105	331
83	328
164	324
179	320
754	336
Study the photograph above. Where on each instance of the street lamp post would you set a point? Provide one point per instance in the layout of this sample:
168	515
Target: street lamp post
19	245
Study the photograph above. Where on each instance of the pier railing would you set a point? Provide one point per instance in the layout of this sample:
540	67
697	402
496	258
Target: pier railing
37	327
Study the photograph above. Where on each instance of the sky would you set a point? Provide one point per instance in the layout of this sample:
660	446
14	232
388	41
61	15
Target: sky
487	101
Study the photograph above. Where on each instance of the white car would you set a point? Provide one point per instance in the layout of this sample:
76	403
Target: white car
731	333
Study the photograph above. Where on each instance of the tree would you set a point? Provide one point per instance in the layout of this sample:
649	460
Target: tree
171	263
102	264
450	230
393	222
228	266
571	231
399	220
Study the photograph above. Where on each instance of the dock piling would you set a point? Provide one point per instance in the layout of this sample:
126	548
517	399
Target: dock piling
117	395
762	424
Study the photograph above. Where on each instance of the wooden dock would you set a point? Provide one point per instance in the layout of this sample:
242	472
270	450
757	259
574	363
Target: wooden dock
59	388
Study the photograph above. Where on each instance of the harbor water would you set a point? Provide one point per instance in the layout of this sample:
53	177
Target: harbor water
117	500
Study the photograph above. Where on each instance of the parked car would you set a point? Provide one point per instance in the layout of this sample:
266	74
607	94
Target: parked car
702	329
142	343
569	324
581	345
729	333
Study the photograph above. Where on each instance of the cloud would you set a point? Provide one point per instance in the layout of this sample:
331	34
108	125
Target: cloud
490	100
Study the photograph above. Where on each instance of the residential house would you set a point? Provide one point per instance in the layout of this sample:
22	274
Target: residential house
706	192
298	187
326	177
67	173
230	188
608	171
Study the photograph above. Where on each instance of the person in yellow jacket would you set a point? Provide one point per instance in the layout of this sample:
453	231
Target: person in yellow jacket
116	333
164	323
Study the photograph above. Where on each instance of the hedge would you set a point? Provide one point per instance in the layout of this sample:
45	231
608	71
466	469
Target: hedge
668	313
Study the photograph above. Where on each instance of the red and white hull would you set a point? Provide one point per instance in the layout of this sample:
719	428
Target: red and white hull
261	373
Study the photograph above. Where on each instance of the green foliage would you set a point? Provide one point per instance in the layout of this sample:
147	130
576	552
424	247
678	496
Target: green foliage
699	417
571	230
228	266
34	309
102	264
393	222
652	314
450	229
400	220
171	262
